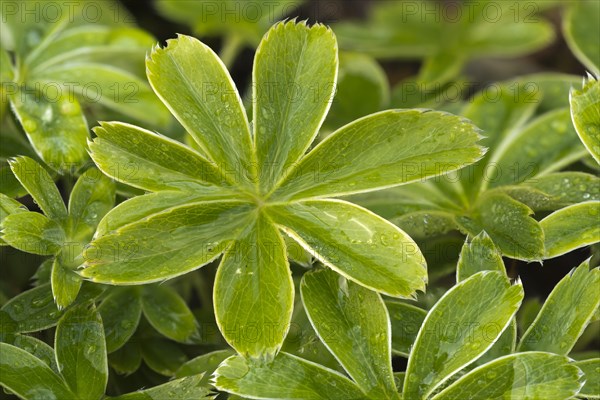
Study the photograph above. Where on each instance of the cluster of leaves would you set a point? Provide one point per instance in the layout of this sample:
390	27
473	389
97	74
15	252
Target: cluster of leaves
255	193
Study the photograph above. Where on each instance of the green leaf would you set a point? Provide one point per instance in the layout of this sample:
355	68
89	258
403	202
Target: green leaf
591	371
302	62
167	312
381	38
34	347
559	324
204	100
478	255
121	312
33	310
143	206
81	352
505	345
381	150
254	292
508	223
442	67
287	376
65	284
91	198
556	190
33	232
127	359
9	206
354	325
152	162
191	387
545	144
205	364
553	87
117	46
581	20
571	228
162	356
303	341
358	73
54	124
533	375
357	244
425	224
513	104
29	377
406	320
40	186
585	115
460	328
165	245
111	87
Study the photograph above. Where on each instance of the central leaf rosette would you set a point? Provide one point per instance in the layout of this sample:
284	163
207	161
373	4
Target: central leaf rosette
247	184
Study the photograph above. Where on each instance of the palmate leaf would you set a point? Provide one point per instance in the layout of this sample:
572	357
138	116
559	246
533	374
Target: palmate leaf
120	312
33	346
303	89
480	254
444	346
167	312
215	200
34	233
582	18
591	371
91	198
531	375
357	244
205	364
40	186
109	86
65	284
140	253
162	356
543	145
287	376
48	95
558	324
383	150
54	125
353	323
571	228
254	291
34	310
205	101
127	359
29	377
556	190
508	223
413	30
81	352
148	161
185	388
406	320
585	104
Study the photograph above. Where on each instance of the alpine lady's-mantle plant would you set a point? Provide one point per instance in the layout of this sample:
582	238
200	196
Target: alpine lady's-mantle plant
248	182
